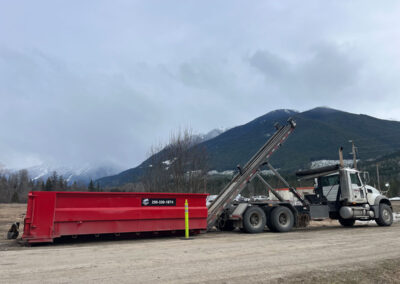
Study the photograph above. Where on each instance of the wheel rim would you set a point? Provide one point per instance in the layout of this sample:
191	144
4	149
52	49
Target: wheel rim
386	215
283	219
255	219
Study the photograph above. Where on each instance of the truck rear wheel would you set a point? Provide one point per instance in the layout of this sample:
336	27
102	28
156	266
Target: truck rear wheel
385	215
346	222
226	225
269	222
254	220
282	219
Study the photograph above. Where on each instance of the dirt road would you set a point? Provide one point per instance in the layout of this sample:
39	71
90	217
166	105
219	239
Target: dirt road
234	257
223	257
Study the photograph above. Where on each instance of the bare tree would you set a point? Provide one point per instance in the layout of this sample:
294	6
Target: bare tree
132	187
4	189
23	186
181	166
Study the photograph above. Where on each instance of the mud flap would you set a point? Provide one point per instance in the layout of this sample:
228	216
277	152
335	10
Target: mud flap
302	220
13	232
319	211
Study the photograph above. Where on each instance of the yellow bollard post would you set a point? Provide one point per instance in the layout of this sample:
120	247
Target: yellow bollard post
186	219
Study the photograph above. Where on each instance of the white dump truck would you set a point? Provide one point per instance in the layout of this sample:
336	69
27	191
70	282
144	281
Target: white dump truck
348	198
339	193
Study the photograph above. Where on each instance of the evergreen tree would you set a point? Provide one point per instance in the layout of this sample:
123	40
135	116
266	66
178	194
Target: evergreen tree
49	185
61	183
15	198
54	180
91	186
39	185
4	190
23	181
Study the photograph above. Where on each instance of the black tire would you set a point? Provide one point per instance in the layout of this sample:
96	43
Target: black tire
243	230
346	222
13	232
254	220
226	225
12	235
269	222
385	215
282	219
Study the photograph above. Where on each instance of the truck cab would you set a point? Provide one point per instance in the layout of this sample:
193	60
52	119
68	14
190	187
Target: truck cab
348	197
353	189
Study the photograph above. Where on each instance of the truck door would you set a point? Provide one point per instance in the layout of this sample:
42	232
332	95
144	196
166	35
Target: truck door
358	193
330	186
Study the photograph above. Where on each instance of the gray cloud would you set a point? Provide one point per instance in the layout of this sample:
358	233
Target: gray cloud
99	81
322	72
69	117
273	66
330	70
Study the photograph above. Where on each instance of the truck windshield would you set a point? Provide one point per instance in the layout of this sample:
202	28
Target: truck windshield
330	180
355	179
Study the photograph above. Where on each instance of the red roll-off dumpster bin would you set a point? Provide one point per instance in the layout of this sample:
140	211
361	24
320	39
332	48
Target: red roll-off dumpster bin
54	214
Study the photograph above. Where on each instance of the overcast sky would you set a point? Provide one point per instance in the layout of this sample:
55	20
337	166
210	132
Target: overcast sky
101	81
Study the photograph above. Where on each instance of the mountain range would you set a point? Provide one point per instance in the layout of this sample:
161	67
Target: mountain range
318	135
81	175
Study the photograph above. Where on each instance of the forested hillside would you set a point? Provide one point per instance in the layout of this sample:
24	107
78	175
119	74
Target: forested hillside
14	187
389	173
318	135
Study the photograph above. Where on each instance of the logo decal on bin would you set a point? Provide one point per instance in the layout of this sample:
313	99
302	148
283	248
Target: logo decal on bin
158	202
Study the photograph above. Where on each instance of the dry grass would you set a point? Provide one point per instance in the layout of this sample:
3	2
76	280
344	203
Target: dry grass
387	271
9	214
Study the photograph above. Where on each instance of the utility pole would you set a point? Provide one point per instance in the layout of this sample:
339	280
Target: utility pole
353	148
341	157
377	175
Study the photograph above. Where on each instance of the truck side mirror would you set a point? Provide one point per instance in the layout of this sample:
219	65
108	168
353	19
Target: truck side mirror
366	178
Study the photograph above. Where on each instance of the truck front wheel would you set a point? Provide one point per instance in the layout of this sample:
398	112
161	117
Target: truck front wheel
282	219
254	220
385	215
347	222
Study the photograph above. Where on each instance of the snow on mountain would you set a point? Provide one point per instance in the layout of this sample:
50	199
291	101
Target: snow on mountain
81	174
223	173
213	133
324	163
288	111
232	172
210	135
169	162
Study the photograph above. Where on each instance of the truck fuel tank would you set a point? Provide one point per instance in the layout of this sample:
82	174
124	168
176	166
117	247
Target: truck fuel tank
349	212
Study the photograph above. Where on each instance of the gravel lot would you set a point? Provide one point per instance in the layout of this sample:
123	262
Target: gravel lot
321	250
